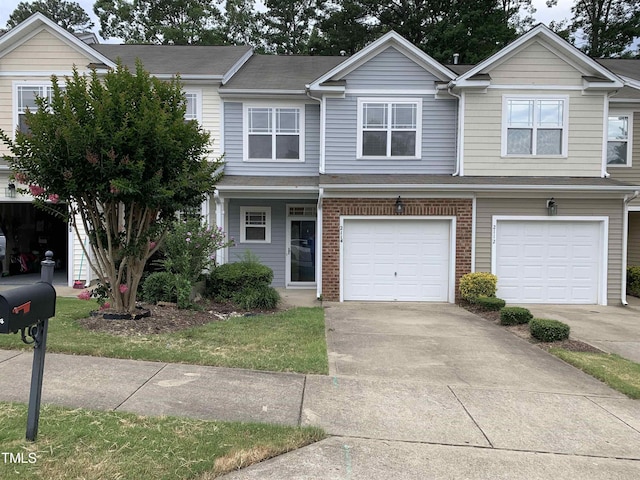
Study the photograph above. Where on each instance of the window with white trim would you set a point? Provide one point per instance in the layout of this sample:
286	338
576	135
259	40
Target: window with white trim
619	140
274	133
535	126
193	105
255	224
26	100
389	128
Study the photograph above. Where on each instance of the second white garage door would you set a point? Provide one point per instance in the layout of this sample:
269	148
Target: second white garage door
549	261
396	260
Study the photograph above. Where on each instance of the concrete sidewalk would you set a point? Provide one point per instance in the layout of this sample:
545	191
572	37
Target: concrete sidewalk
415	391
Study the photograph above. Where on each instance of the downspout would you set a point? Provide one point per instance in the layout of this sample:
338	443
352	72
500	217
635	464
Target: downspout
459	167
220	255
321	168
319	245
625	242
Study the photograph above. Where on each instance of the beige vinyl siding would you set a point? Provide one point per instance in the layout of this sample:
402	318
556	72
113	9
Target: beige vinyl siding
535	65
633	244
6	113
44	52
630	174
486	208
211	115
483	137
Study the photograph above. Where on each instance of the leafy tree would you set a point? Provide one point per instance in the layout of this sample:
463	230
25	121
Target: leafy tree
179	22
518	13
607	27
69	15
240	24
342	27
288	23
118	151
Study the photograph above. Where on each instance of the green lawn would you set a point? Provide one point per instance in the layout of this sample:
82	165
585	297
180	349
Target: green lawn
617	372
288	341
111	445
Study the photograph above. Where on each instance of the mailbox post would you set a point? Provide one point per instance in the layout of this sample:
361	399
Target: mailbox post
27	310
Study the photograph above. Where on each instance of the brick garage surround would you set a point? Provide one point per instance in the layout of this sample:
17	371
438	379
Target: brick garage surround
334	208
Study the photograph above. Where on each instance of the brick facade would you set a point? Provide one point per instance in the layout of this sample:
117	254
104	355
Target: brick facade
334	208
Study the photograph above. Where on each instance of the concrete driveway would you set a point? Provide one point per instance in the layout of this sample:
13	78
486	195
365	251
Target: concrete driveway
432	391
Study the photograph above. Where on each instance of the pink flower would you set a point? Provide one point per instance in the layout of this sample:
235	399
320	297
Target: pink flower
54	198
21	177
188	240
84	295
124	288
106	305
36	190
152	245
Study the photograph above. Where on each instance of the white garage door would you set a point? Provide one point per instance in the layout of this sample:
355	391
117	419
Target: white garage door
548	261
396	260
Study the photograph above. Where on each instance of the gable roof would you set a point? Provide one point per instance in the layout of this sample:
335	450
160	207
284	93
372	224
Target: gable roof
37	23
390	39
279	73
558	45
190	61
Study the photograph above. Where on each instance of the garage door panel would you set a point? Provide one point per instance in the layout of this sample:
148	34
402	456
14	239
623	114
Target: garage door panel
409	259
540	261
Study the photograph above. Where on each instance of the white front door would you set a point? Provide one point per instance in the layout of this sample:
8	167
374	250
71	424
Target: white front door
397	259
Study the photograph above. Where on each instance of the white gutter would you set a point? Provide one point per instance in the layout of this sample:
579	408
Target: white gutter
319	245
471	186
459	142
262	188
323	124
625	243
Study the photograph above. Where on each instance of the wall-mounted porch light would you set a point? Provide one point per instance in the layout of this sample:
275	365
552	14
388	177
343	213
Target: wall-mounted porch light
399	206
552	207
11	190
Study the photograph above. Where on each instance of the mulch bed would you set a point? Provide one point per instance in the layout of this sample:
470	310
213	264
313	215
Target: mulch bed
166	318
522	331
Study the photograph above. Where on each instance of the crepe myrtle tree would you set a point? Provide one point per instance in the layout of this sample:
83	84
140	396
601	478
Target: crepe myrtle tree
117	149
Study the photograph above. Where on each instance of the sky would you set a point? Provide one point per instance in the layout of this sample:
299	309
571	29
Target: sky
543	14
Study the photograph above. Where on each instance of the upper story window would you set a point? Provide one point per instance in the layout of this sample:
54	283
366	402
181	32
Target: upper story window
619	140
274	133
389	128
194	105
535	126
26	100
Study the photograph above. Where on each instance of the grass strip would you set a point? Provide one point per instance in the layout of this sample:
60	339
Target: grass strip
617	372
78	443
287	341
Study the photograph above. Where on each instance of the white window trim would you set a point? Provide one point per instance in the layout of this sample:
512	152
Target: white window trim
245	132
565	123
415	100
243	225
16	118
198	93
629	115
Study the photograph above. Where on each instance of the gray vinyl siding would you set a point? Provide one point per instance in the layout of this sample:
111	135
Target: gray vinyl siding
390	69
233	146
271	254
633	242
536	206
630	174
439	123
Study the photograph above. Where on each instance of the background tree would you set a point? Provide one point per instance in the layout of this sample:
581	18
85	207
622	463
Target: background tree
179	22
341	26
288	23
240	23
119	152
69	15
604	28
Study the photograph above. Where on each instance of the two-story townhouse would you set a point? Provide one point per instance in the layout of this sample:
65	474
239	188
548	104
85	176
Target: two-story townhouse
38	48
426	172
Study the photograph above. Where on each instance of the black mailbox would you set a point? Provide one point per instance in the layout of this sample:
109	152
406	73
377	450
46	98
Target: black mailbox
26	306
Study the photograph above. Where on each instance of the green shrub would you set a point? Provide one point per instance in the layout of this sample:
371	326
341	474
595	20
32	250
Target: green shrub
490	303
514	316
227	280
547	330
262	297
472	285
159	287
633	281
